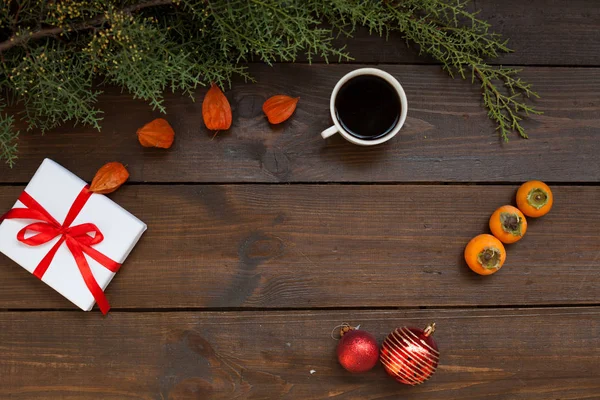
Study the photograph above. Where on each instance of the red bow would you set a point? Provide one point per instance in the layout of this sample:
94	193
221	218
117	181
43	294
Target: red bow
77	239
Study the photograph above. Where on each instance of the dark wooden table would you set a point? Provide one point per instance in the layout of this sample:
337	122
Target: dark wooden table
265	238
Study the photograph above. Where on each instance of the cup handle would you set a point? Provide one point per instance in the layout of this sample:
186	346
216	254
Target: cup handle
329	132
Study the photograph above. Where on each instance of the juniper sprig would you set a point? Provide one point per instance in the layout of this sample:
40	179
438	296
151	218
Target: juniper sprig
54	53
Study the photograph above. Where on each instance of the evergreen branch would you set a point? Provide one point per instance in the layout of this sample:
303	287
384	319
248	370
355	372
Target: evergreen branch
8	137
53	86
52	51
20	38
460	49
139	56
506	110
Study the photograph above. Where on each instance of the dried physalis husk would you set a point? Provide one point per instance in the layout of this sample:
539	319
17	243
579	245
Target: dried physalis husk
279	108
216	110
109	178
157	133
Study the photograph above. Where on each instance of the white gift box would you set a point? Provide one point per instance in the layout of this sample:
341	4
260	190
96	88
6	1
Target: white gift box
55	189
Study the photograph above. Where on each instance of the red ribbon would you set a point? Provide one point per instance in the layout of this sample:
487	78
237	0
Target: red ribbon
76	238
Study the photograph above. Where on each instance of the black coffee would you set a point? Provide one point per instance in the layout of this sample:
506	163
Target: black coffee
368	107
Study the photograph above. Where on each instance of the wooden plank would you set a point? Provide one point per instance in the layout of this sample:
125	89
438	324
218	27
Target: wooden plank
540	32
447	137
485	354
335	246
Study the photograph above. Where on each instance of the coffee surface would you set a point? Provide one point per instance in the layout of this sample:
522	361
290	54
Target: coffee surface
368	107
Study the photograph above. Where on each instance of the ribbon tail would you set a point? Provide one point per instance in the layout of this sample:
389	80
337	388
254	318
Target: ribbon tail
88	277
43	266
105	261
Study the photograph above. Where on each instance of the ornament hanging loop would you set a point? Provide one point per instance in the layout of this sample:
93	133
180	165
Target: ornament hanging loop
429	330
342	329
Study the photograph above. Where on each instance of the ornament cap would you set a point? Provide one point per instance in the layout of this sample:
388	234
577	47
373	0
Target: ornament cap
429	330
342	329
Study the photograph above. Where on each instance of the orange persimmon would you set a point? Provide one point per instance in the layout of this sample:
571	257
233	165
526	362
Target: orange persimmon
485	254
534	199
508	224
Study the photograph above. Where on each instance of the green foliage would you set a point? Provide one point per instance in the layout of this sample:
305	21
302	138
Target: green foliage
138	55
462	42
54	85
52	52
8	136
264	29
506	110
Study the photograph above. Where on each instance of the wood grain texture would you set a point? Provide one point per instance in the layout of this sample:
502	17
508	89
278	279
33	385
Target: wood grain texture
532	354
273	247
447	136
335	246
541	32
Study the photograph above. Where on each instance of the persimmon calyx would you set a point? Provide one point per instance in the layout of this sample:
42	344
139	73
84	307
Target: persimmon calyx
489	258
537	198
511	223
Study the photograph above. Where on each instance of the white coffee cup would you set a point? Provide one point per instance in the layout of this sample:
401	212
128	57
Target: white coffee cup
337	127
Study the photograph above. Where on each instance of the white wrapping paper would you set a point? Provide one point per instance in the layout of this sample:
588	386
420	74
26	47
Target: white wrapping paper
55	188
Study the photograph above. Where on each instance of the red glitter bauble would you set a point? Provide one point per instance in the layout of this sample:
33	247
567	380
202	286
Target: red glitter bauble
358	351
410	355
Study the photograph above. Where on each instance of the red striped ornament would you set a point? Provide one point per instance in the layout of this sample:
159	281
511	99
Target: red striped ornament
410	355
